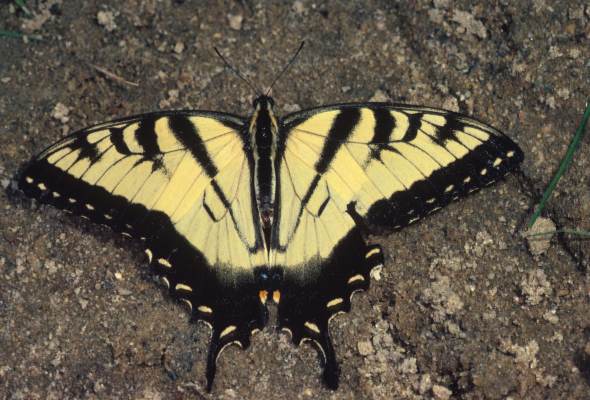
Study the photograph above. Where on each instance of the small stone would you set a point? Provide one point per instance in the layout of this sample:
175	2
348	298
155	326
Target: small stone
451	103
575	53
298	7
453	328
442	299
235	21
83	303
564	93
290	108
546	380
539	244
20	265
489	316
365	348
471	25
380	97
118	276
51	267
61	113
99	387
550	101
162	75
5	182
558	338
107	20
56	361
173	95
550	317
409	366
441	392
524	355
179	47
535	287
425	384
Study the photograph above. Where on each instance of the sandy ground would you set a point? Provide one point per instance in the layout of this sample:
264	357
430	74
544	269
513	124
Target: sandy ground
463	308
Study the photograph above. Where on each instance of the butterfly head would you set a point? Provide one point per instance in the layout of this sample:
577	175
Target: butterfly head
263	102
263	125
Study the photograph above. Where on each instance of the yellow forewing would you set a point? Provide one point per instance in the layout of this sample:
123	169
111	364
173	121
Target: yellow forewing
213	212
378	154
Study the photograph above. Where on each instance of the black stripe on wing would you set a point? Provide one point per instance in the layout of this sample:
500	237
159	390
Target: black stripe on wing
340	131
480	167
186	133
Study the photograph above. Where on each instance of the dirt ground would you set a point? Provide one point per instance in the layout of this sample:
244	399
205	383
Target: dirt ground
463	309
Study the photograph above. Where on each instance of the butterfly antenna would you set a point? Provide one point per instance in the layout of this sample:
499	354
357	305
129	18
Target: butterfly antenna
235	71
286	67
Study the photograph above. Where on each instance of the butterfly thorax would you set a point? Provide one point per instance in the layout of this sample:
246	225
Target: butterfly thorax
263	131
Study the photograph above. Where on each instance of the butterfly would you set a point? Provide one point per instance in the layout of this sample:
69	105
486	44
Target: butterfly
238	212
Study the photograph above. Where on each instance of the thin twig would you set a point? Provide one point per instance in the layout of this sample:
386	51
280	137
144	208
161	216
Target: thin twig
112	76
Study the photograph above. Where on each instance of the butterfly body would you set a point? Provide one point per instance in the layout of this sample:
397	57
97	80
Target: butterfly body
264	129
236	212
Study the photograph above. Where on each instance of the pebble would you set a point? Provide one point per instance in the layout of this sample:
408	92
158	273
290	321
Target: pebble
550	317
425	384
365	348
235	21
540	244
409	366
179	47
441	392
470	24
380	97
106	19
290	108
61	113
298	7
535	287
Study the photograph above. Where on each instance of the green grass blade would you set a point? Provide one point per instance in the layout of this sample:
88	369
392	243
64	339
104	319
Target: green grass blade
11	34
23	6
565	163
584	234
14	34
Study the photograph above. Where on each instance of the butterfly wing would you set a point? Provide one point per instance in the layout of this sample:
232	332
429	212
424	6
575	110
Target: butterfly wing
346	168
182	183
